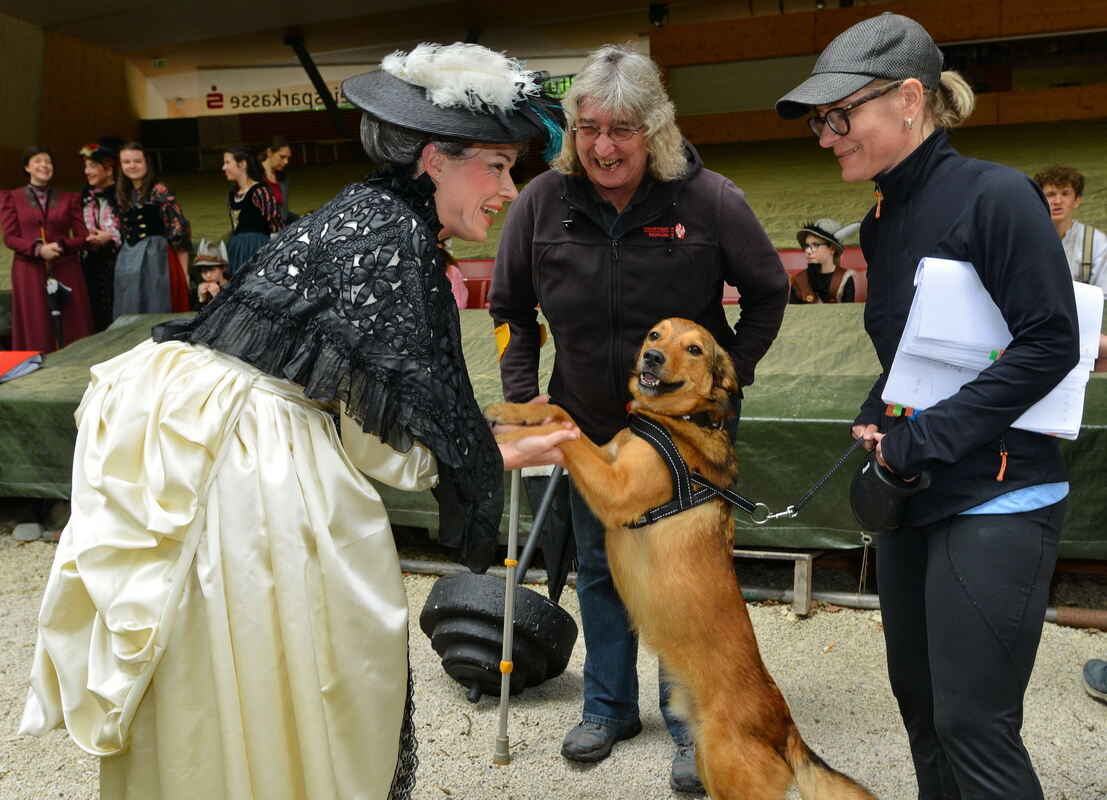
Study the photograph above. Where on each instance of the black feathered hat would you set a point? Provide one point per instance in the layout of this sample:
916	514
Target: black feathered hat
460	91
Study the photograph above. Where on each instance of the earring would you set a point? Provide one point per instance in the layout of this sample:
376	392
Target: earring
910	123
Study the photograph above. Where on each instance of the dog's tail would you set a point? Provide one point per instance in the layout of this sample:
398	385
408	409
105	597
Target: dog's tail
816	780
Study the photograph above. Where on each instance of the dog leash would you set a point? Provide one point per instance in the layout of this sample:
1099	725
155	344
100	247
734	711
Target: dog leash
685	497
794	509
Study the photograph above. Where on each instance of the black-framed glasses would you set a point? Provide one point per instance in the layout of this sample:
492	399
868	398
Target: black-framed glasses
838	118
619	133
815	245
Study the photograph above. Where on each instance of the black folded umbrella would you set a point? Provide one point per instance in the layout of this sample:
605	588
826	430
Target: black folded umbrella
556	535
57	295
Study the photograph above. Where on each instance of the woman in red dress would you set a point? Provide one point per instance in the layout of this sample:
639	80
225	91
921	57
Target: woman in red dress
45	229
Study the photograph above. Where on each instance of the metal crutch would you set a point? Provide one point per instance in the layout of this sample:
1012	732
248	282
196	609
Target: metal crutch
502	754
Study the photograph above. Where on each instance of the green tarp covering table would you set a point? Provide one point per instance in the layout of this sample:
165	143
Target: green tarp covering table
795	425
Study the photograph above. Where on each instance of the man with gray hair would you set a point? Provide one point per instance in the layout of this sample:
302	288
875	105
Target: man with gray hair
629	228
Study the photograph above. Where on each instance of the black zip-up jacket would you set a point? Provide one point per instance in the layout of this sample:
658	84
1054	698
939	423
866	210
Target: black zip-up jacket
938	203
602	290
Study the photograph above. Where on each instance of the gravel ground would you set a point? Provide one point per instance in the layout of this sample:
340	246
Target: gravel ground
830	667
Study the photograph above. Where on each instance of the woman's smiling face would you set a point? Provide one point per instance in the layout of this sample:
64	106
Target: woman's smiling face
234	170
97	175
614	168
40	169
132	163
877	140
471	189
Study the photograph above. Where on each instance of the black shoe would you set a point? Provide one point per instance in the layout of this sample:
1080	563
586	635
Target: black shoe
684	776
591	742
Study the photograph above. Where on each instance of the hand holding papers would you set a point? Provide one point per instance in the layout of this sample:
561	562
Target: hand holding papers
954	330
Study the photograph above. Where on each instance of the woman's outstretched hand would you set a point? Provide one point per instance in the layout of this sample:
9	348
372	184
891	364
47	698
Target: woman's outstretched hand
538	450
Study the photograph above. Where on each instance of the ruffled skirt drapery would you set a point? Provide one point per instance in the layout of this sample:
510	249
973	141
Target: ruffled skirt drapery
225	616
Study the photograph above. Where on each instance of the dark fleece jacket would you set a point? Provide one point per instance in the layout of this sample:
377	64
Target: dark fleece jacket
601	290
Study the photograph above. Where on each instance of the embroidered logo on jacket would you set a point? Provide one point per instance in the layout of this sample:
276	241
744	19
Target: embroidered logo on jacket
664	231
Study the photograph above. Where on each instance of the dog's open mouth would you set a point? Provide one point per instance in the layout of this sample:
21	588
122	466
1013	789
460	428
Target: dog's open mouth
651	384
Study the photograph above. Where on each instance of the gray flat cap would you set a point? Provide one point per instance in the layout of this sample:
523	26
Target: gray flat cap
885	46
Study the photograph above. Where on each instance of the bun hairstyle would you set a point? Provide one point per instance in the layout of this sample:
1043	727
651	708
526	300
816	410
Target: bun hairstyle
953	102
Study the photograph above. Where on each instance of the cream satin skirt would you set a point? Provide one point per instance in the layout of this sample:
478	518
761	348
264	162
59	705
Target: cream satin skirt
225	616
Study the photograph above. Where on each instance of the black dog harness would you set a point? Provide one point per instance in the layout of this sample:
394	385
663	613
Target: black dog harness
684	496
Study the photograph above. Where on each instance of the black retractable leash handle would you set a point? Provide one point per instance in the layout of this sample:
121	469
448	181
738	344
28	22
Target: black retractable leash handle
878	497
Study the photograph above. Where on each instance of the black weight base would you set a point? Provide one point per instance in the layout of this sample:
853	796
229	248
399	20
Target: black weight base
463	617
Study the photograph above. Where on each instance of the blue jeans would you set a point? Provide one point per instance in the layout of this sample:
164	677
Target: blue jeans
611	648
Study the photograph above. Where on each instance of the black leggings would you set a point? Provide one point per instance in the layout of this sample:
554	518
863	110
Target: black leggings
963	603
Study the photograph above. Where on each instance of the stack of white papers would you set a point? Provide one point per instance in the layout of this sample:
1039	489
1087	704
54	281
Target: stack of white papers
954	331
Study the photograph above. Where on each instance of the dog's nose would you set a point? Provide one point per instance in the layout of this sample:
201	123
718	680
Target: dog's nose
653	358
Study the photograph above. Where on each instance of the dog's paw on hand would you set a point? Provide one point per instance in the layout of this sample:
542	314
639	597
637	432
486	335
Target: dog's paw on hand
502	414
524	414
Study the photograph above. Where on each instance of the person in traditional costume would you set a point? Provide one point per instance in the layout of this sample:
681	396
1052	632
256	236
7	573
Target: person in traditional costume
254	212
101	216
151	270
211	263
225	616
274	161
824	280
44	228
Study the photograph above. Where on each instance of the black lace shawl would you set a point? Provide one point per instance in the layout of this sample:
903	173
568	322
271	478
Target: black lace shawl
352	302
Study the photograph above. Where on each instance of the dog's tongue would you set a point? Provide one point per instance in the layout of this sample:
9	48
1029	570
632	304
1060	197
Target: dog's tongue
649	379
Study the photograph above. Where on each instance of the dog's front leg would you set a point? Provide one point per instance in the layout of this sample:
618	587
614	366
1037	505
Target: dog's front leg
621	480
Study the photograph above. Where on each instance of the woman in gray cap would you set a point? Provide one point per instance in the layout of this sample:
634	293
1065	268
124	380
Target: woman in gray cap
226	616
964	584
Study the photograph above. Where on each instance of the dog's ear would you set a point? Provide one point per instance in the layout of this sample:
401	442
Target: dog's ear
722	372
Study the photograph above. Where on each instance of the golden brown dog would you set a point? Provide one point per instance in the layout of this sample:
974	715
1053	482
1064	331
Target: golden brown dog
676	576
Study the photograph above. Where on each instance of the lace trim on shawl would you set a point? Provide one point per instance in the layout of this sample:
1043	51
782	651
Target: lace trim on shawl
407	760
351	302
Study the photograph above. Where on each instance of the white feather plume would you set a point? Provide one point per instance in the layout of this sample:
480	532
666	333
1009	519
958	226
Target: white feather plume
462	75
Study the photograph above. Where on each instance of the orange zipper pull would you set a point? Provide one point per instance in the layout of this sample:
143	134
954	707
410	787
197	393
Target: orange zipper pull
879	200
1002	465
